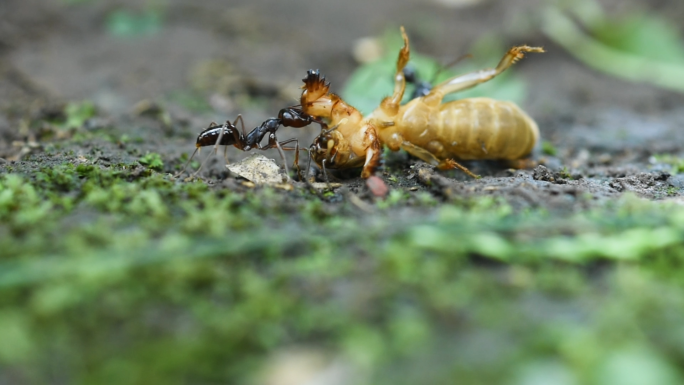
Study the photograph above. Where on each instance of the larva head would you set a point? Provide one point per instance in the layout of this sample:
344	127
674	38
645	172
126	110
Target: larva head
327	146
314	87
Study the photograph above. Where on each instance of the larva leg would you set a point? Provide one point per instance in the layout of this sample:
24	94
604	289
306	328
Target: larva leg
469	80
391	103
372	160
373	152
430	158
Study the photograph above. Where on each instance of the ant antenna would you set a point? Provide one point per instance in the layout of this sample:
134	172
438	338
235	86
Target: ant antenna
242	124
449	65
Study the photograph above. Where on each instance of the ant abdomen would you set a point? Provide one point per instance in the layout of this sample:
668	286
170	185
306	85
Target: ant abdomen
210	136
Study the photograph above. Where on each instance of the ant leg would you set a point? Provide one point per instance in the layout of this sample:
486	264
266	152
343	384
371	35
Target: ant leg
430	158
308	166
325	174
282	155
218	141
308	175
187	163
469	80
295	165
390	105
201	165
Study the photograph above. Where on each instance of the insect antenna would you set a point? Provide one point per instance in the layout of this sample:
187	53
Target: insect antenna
452	63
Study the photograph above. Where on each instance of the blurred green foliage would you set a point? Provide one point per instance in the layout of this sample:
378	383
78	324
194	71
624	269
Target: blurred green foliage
643	34
109	275
639	46
124	23
77	2
676	163
548	148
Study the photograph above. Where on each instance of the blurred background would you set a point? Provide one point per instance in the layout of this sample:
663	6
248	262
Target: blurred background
214	59
152	73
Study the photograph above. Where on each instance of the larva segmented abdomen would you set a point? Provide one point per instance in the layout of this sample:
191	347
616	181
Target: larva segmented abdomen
483	128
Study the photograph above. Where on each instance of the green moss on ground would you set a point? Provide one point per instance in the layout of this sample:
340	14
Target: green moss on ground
124	275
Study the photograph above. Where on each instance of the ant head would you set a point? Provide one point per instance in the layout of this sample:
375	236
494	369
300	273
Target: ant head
294	117
210	135
289	113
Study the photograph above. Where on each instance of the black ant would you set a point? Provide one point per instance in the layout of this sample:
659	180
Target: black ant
227	134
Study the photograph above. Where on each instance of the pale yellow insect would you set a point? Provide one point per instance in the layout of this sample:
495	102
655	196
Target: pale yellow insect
436	132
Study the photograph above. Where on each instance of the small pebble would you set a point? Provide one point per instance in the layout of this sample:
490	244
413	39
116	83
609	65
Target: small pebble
377	186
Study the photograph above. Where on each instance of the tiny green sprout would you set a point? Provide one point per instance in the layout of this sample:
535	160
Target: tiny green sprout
426	199
548	148
565	173
152	161
394	198
393	178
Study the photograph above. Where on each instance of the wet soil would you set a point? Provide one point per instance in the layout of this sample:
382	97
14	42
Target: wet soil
248	57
